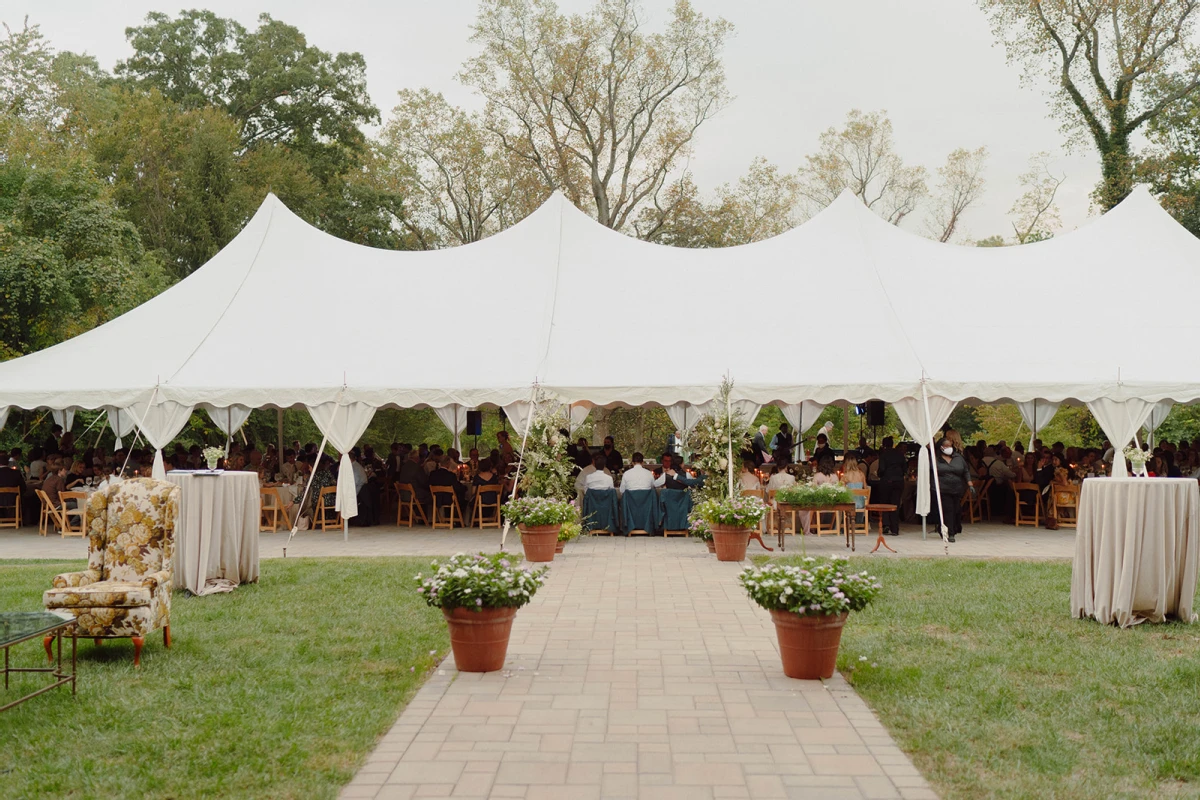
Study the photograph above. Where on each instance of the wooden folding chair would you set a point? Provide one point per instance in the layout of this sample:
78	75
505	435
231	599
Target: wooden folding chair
972	509
1065	501
408	510
863	525
819	525
10	516
49	514
448	507
78	525
272	510
480	512
984	496
326	516
1024	505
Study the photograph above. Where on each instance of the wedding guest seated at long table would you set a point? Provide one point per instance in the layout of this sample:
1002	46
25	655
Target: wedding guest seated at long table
446	474
412	473
677	477
749	478
638	477
598	478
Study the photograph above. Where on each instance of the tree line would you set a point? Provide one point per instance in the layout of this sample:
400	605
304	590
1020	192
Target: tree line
116	183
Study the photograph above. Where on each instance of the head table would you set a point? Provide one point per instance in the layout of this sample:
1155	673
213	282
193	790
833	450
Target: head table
216	538
1136	550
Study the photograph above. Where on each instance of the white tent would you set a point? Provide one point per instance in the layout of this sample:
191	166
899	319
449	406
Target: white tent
842	308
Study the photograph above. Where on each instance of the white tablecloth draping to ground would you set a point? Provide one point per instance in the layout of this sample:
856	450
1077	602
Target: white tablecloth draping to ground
1136	550
216	538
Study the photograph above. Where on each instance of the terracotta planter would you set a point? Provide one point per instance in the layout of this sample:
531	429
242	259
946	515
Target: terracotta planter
558	546
479	638
540	542
730	542
712	548
808	644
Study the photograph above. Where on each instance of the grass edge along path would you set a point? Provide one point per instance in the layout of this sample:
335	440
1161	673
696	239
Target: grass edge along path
278	689
981	675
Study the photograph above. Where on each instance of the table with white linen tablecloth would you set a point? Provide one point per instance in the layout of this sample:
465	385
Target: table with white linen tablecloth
1136	550
216	537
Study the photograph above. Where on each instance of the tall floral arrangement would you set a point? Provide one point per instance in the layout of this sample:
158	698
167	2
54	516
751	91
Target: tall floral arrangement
546	471
711	441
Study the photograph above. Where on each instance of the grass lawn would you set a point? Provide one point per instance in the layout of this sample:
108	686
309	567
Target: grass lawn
278	689
979	672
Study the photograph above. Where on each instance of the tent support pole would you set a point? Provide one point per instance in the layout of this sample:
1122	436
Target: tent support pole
278	438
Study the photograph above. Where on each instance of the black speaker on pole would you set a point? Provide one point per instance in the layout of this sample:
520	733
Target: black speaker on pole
474	423
874	412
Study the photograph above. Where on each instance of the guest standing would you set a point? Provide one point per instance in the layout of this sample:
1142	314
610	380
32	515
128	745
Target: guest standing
954	480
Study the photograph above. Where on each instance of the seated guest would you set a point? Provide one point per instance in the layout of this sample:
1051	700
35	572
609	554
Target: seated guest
485	475
55	481
826	473
749	479
11	477
446	474
595	476
473	463
412	473
676	477
75	478
780	479
637	477
288	468
66	445
37	464
852	475
322	477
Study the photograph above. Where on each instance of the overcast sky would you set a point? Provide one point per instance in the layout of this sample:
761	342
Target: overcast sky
795	67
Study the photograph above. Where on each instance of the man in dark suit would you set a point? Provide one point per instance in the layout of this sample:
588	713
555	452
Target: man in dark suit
891	467
50	446
445	475
676	475
612	456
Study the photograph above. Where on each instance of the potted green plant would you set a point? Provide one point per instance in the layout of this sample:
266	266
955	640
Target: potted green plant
479	595
807	495
568	532
540	519
699	529
730	520
809	605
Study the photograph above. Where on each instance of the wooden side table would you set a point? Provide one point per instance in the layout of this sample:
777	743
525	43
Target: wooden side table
881	509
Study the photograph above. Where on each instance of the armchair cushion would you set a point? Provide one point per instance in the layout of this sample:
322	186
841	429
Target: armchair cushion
102	594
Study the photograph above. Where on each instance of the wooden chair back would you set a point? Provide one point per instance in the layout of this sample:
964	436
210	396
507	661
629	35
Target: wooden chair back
1066	504
984	496
487	515
1028	509
49	514
326	516
272	511
408	508
74	520
859	521
10	516
446	510
972	509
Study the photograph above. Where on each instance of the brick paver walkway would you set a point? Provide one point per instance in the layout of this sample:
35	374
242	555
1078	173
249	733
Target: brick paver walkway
977	541
640	670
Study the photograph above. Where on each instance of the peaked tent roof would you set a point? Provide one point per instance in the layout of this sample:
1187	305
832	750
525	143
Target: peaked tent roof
843	307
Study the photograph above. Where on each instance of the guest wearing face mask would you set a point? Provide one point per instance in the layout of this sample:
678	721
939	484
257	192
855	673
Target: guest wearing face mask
954	480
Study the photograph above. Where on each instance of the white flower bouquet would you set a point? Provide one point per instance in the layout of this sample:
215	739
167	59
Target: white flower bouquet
535	511
212	455
817	587
480	581
1136	455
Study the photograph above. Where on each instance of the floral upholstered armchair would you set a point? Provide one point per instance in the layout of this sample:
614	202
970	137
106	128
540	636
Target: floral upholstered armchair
126	590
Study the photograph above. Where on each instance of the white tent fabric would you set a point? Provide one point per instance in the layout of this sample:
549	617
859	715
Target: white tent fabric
122	423
343	424
801	416
684	417
517	413
1037	415
1158	415
579	414
454	417
1120	421
228	420
549	262
160	423
4	415
64	418
911	411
